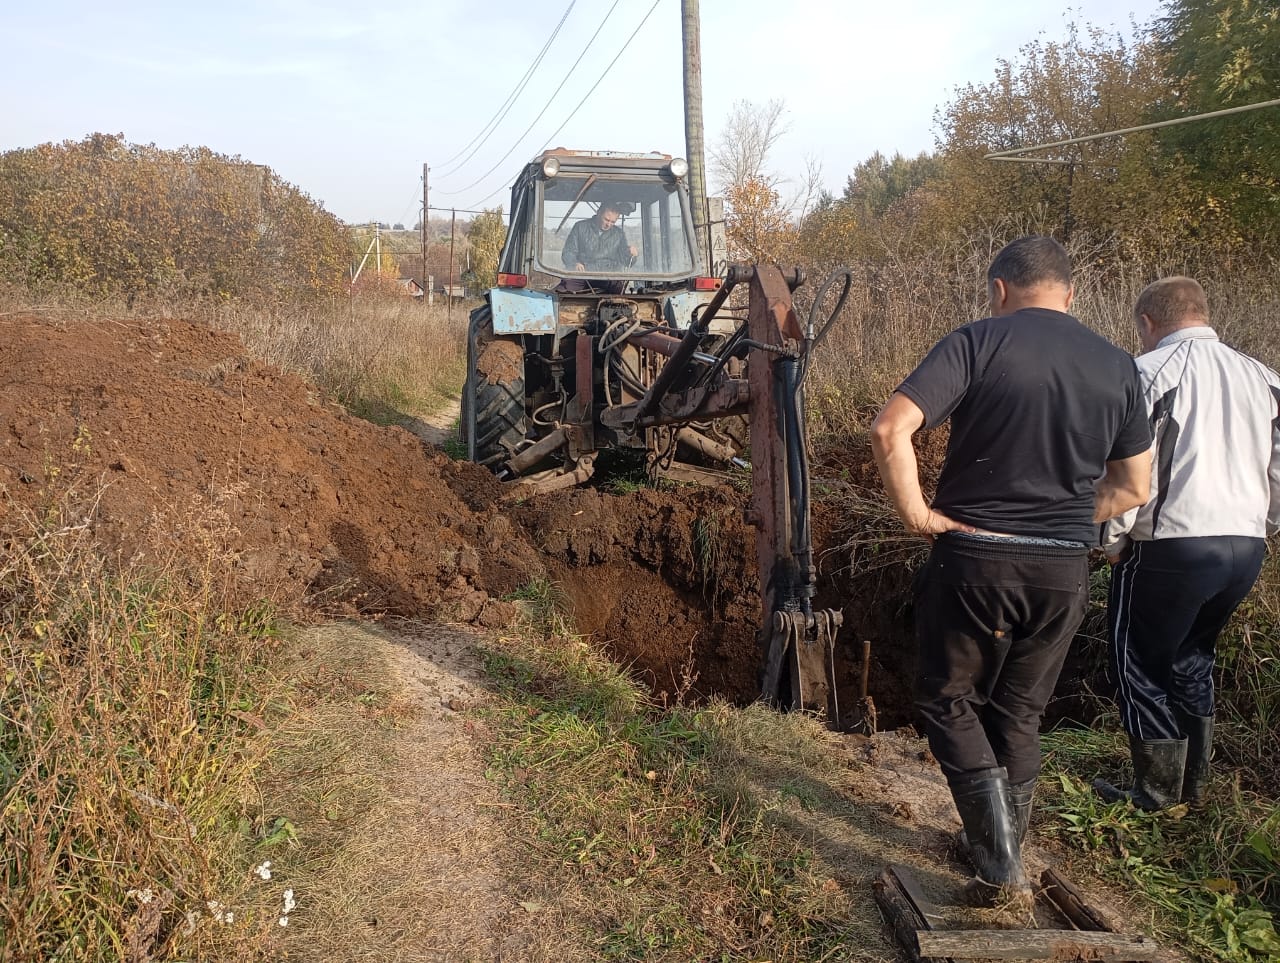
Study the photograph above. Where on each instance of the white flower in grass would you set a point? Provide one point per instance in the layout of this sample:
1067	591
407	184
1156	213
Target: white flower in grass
263	871
284	921
289	902
220	913
143	896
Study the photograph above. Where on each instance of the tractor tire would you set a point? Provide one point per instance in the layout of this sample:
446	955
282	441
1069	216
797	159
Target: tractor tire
494	416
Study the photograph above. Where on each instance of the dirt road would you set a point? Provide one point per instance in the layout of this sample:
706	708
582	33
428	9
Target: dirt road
425	868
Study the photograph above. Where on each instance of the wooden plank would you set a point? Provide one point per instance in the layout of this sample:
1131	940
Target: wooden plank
901	915
1072	904
911	888
1033	945
906	908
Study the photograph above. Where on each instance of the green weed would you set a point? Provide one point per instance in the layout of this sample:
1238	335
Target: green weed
1212	876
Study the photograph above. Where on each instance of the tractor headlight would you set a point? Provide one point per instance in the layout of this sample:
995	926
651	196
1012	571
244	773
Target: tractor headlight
551	167
678	167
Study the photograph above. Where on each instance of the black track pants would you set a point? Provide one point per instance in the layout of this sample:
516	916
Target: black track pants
1170	599
993	623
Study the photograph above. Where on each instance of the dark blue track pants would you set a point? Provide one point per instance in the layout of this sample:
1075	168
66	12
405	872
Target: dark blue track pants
1170	598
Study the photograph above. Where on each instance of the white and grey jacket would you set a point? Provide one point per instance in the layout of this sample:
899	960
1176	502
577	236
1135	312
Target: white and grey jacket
1215	417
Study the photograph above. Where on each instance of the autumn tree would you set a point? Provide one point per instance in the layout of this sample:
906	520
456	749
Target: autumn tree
758	226
487	235
741	153
1220	54
1090	82
877	182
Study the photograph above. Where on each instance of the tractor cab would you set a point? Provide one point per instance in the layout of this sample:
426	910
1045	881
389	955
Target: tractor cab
580	218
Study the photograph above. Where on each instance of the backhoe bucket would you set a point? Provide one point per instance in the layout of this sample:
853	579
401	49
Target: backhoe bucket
799	671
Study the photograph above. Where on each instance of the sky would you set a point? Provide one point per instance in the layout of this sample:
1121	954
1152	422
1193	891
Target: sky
347	101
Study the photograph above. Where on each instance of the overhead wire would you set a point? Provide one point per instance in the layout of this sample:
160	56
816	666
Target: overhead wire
605	74
505	107
546	107
575	109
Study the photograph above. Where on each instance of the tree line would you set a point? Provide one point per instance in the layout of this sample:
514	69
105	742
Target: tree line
1195	195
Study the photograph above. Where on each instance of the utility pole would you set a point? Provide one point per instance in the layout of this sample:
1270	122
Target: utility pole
426	297
448	292
693	125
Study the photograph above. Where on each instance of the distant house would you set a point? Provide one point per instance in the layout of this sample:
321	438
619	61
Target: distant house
456	291
411	287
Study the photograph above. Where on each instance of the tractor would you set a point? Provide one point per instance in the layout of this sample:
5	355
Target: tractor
558	343
606	332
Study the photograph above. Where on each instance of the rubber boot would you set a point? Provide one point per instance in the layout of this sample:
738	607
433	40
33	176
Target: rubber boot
1199	733
1020	796
1158	768
983	801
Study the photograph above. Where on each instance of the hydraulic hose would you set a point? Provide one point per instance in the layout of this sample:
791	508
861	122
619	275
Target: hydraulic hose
812	340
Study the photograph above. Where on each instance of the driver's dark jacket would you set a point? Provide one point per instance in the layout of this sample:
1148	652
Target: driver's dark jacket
595	249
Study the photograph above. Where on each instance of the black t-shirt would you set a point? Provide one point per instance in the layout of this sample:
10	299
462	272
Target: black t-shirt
1038	404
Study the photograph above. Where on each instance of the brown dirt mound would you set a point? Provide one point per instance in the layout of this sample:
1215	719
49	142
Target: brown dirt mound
134	420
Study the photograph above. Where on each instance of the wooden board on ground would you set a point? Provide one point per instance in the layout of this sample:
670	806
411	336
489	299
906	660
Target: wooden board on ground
1095	937
1032	945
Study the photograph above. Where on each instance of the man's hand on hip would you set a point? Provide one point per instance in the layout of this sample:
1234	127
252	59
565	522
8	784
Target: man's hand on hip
931	523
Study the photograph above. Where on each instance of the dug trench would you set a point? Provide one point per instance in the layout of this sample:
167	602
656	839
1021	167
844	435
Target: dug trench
164	439
667	582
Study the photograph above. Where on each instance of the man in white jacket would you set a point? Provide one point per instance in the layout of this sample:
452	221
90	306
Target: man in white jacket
1184	561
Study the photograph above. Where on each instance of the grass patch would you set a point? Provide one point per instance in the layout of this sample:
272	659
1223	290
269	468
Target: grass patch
672	855
132	710
455	446
1211	877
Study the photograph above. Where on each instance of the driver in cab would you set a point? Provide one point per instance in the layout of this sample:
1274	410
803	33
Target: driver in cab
599	243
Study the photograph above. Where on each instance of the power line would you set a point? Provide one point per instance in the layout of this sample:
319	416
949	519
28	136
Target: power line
580	103
1014	154
605	74
550	100
507	104
492	126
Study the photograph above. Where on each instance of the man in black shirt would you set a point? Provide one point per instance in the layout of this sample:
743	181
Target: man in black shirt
598	243
1049	436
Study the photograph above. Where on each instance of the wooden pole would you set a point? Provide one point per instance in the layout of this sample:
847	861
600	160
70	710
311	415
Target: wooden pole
693	132
448	292
426	297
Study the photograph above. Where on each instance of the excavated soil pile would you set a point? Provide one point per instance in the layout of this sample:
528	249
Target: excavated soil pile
166	438
166	432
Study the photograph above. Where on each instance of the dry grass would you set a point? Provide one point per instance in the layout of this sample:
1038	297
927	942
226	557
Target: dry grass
648	825
379	353
900	306
382	357
131	718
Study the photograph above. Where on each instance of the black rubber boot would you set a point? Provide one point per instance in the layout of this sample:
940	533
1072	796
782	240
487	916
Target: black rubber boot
1158	768
1020	796
983	801
1199	733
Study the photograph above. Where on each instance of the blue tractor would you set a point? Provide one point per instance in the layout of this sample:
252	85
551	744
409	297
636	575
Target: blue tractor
599	279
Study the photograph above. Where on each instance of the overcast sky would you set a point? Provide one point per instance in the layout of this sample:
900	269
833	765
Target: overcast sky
348	100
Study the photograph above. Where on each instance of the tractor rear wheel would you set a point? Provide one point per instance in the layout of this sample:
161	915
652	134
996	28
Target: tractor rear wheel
494	414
